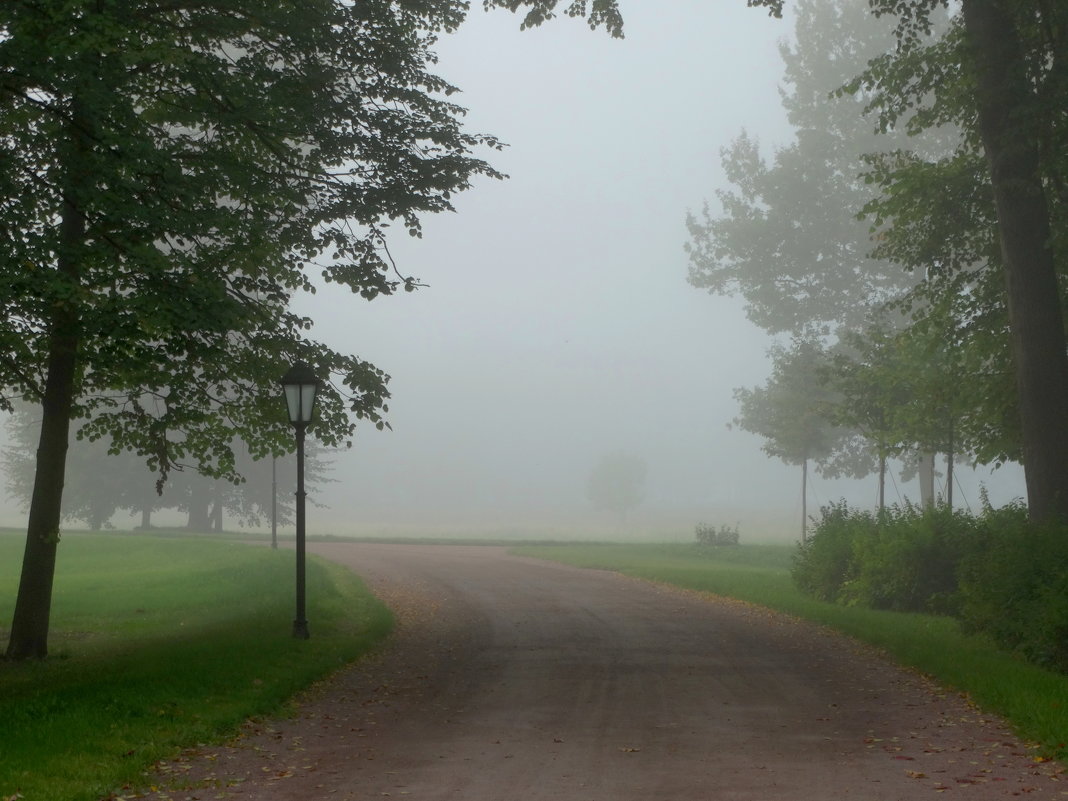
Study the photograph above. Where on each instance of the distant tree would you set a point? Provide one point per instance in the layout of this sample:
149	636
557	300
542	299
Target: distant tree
787	235
207	502
872	376
102	483
617	483
793	413
99	482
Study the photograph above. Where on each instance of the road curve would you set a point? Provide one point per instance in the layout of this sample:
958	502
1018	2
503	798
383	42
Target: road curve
512	679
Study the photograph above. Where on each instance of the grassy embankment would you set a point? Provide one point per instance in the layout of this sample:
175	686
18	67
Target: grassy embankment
1035	701
160	644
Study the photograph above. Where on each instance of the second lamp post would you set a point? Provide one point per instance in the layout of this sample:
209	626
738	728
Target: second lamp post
300	386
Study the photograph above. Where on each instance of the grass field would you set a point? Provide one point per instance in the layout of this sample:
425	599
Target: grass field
159	644
1035	701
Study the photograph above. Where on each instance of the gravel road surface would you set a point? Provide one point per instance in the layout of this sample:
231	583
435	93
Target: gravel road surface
512	679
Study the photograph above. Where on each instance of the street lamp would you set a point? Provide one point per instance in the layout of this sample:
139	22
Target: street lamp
300	385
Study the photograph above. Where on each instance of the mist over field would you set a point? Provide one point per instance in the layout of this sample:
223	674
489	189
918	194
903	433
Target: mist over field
557	325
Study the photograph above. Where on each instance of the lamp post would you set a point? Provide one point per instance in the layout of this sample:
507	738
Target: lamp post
300	386
274	503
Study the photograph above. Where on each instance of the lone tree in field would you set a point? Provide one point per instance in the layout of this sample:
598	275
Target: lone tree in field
617	484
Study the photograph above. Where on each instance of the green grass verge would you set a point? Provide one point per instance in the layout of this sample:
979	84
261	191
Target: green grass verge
1035	701
159	644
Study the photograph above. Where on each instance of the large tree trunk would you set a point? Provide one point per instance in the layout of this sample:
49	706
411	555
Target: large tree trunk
216	516
1005	96
33	605
198	519
804	501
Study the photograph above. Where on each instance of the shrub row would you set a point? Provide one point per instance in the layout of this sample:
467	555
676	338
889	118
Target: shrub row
996	572
710	535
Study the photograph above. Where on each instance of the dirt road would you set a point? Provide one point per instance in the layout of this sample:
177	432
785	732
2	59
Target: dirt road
511	679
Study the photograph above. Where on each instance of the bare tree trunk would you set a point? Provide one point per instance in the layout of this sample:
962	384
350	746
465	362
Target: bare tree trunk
950	457
33	605
1004	98
804	501
882	481
198	517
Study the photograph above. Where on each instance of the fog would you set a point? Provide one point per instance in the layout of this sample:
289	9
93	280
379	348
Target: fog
557	324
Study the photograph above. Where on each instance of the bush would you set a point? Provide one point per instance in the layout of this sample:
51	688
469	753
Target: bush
1014	587
904	558
708	535
909	562
825	562
999	574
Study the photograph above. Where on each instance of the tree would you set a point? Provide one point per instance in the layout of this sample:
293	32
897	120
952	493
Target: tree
788	237
903	392
1006	93
173	168
98	483
999	75
617	483
101	482
266	487
1011	58
793	412
866	377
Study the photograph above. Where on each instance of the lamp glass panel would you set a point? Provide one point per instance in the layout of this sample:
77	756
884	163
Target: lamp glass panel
293	401
307	401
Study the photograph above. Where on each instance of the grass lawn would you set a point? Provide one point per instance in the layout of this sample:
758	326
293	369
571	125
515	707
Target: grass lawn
158	644
1035	701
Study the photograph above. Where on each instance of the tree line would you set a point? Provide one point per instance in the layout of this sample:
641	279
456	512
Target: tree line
102	483
906	247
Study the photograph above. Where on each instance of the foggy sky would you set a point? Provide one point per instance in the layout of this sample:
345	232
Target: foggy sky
558	325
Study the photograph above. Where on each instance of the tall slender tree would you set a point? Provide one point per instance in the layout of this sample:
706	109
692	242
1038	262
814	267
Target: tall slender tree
793	411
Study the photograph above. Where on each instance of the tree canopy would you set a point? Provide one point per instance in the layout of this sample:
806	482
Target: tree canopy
787	235
184	164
